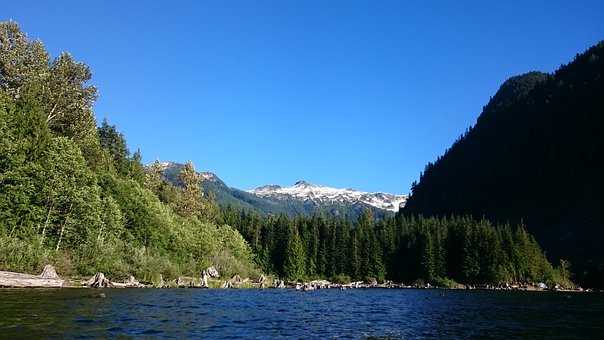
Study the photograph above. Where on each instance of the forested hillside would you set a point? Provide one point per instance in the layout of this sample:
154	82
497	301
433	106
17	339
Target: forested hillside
534	155
71	194
438	251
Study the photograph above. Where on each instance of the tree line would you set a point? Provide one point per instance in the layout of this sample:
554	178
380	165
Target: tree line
401	248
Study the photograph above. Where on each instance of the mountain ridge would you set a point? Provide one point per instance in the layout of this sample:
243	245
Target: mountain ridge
319	193
302	198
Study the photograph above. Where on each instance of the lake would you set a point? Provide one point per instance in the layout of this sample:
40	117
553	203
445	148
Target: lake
271	313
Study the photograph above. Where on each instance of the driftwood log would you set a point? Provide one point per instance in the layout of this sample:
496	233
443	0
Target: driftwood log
236	279
204	279
262	281
131	282
99	281
48	279
212	272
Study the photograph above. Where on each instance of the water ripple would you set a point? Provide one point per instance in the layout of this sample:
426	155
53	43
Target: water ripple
352	314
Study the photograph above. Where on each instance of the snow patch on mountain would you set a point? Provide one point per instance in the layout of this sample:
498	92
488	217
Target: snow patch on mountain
303	190
176	167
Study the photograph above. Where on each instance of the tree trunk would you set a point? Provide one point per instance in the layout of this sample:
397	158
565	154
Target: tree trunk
63	228
46	223
99	281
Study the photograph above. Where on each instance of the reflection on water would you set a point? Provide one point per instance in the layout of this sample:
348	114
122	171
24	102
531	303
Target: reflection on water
287	313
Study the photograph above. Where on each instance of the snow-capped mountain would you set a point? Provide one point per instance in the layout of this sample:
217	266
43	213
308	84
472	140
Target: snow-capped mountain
305	191
301	198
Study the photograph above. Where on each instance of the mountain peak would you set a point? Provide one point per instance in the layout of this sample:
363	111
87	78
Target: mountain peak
171	171
302	183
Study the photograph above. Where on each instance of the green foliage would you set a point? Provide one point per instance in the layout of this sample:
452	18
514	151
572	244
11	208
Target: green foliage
341	279
190	200
114	143
443	282
71	194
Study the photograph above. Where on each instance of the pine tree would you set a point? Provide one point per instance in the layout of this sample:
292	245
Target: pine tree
427	256
294	266
114	143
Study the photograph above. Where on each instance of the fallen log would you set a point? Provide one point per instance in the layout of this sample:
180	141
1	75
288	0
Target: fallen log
48	279
131	282
188	282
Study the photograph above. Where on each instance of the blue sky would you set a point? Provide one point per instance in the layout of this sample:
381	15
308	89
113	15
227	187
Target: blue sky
342	93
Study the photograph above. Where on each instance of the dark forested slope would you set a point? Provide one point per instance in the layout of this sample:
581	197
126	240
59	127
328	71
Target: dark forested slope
534	155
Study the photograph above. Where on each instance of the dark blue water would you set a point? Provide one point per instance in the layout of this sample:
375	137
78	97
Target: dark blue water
286	313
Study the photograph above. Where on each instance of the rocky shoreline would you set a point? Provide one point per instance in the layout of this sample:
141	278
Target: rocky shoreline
210	278
323	284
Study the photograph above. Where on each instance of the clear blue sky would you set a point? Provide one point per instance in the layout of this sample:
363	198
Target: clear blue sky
342	93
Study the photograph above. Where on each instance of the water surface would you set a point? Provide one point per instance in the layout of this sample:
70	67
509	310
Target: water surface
271	313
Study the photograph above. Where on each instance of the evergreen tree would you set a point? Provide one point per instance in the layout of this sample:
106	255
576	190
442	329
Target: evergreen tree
115	144
294	266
